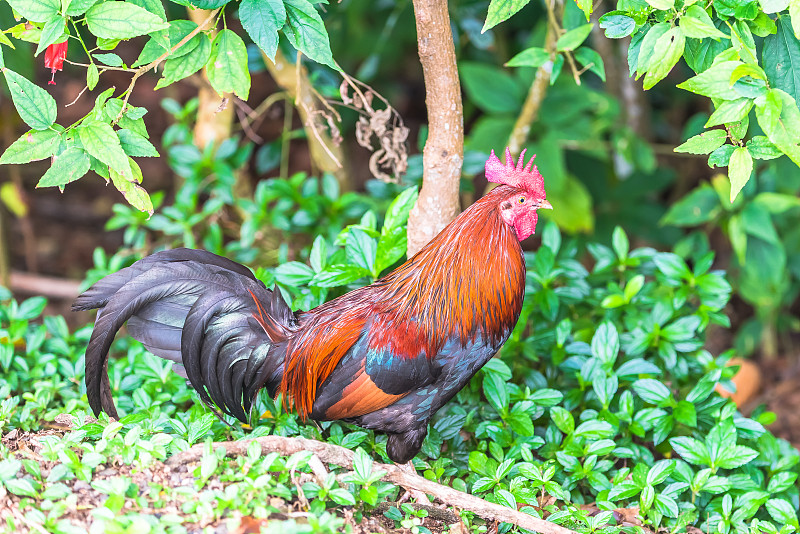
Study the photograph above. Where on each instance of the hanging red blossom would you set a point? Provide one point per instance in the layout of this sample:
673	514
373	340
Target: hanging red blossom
54	59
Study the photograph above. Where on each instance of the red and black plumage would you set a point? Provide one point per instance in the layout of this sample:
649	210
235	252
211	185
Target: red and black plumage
386	356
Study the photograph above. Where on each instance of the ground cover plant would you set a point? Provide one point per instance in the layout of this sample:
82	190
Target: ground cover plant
600	414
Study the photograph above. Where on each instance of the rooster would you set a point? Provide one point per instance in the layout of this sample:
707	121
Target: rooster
385	357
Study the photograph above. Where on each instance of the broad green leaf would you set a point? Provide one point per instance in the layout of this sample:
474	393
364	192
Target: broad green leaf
534	56
293	273
131	190
740	9
361	249
693	451
262	19
773	6
339	275
697	24
734	456
783	512
740	168
592	60
36	10
32	146
67	167
35	105
21	486
306	32
704	143
176	69
760	147
754	71
666	53
156	7
781	59
490	88
227	65
779	117
5	41
730	111
112	60
652	391
715	82
122	20
700	53
573	206
574	38
101	142
617	25
53	32
647	47
397	214
698	207
136	145
501	10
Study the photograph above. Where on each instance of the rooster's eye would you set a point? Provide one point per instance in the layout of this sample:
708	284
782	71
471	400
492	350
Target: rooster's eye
522	200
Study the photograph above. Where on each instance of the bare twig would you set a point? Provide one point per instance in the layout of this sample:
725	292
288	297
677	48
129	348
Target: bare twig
334	454
155	63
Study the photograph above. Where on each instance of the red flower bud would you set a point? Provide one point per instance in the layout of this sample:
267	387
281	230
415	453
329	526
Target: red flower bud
54	59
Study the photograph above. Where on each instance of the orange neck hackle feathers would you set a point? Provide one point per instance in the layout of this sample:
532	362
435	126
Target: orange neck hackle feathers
468	281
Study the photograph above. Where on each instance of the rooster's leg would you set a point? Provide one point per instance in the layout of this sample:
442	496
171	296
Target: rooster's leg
418	496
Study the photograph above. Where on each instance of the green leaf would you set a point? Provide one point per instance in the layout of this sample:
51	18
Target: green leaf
794	15
652	391
698	207
35	105
32	146
294	273
306	32
700	53
647	47
122	20
361	249
262	19
176	69
92	76
136	145
53	32
163	41
662	4
562	419
773	6
339	275
760	147
36	10
592	60
112	60
685	413
781	511
775	203
697	24
730	111
22	487
133	193
704	143
227	65
397	213
693	451
501	10
79	7
666	53
101	142
534	56
67	167
617	25
740	168
714	82
574	38
490	88
734	456
779	117
781	59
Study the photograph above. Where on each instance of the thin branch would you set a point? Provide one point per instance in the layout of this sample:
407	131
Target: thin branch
334	454
551	15
104	67
153	64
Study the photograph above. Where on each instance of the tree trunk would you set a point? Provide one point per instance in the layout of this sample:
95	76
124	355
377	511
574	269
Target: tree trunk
443	155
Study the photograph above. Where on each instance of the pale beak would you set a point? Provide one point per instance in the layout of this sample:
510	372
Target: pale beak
544	204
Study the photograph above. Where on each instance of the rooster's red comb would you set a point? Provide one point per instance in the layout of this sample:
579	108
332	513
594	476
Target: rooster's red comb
525	177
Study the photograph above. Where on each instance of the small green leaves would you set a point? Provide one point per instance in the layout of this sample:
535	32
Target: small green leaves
740	168
67	167
227	65
262	19
35	105
122	20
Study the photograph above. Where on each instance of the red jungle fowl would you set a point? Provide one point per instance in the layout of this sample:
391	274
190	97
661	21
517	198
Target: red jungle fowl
386	356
